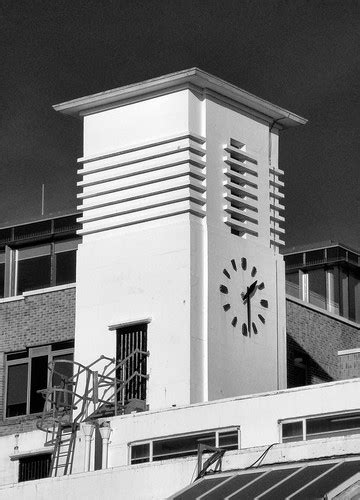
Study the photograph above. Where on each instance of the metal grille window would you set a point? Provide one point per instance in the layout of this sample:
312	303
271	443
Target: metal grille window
183	445
34	467
131	343
27	372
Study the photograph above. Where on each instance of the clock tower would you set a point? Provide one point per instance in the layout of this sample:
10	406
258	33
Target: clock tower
182	218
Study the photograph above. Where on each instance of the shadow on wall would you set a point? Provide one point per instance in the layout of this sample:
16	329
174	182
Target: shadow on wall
302	369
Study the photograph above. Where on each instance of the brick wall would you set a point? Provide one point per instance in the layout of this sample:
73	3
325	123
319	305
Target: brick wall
34	320
349	365
315	338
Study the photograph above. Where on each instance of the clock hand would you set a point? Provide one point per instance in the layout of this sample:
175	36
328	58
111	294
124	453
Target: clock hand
249	291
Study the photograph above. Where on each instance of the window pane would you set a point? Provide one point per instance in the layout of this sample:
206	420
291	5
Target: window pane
354	308
332	426
140	453
66	267
16	390
317	288
33	274
229	440
39	375
181	446
2	279
63	370
292	284
293	431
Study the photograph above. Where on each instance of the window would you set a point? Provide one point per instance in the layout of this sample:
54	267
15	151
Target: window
310	428
183	445
292	284
34	467
38	255
131	343
27	373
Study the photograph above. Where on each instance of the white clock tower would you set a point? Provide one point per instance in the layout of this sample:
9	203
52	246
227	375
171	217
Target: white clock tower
181	212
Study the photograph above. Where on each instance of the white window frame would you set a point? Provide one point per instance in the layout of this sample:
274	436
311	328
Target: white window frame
151	441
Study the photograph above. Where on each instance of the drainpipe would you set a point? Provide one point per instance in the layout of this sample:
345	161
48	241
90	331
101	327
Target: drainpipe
105	431
88	430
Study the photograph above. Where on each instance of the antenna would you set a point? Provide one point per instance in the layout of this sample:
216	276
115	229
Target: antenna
42	198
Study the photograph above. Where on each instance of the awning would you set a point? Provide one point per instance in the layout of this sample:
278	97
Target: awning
297	481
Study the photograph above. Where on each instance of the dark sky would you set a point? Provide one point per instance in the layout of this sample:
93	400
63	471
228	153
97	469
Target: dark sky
302	55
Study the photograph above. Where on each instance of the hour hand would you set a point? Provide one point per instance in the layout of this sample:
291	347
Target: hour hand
249	291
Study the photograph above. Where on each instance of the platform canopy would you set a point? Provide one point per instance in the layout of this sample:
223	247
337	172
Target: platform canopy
298	481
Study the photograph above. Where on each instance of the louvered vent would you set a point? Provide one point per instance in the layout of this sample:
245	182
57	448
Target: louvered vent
276	206
241	196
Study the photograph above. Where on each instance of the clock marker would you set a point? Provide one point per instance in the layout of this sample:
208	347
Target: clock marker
226	272
234	321
243	263
233	263
261	318
253	271
226	307
254	327
261	286
244	329
224	289
264	303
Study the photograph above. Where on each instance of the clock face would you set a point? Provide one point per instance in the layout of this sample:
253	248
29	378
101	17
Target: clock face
242	305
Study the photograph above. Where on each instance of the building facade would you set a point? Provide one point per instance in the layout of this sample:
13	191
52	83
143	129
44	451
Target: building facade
179	314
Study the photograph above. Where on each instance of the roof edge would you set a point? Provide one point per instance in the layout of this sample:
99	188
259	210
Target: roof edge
172	82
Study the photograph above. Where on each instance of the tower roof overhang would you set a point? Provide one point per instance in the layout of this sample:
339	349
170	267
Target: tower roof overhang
192	78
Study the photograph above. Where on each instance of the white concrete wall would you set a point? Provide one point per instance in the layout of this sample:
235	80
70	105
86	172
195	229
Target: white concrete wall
257	416
166	262
239	364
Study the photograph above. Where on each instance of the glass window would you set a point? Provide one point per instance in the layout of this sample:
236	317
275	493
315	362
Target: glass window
140	453
28	372
2	274
292	284
63	370
292	431
332	426
354	295
321	427
317	287
17	383
39	376
181	446
229	440
66	267
33	268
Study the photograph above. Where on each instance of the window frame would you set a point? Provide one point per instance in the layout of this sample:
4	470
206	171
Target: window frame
151	441
305	420
32	352
11	256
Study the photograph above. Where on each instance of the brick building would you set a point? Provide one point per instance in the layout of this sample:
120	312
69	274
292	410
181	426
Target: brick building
37	313
322	313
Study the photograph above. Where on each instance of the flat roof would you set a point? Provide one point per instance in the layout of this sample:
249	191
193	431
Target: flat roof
317	246
188	78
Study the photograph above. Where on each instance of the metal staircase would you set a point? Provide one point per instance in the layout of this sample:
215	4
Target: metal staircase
102	389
